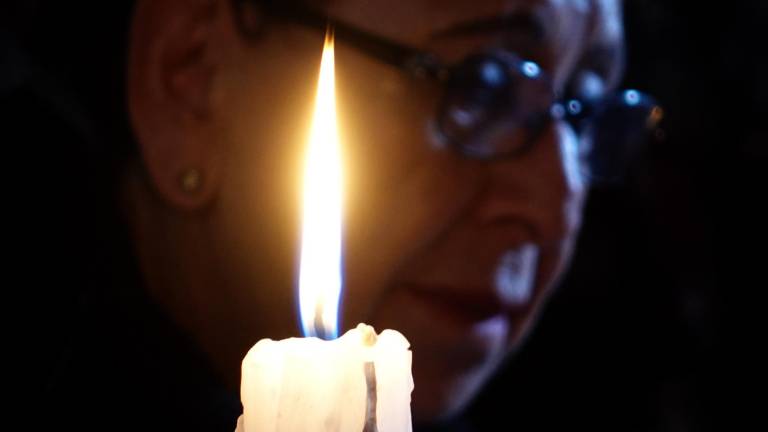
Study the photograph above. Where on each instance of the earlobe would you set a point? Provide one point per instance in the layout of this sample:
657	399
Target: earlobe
170	74
194	188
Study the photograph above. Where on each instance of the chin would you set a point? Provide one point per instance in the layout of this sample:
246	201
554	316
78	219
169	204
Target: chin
453	356
442	397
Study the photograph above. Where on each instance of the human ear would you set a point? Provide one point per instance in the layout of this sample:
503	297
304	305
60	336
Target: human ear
171	69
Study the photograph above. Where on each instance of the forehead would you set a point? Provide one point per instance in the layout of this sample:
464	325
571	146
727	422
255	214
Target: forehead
557	33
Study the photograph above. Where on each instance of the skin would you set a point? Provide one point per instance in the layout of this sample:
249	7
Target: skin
425	229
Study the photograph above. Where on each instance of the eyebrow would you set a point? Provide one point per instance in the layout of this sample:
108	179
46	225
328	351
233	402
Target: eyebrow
402	55
518	22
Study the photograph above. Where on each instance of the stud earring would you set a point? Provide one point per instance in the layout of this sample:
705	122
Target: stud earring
191	180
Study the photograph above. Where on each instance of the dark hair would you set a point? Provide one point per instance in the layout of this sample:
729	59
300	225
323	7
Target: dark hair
66	138
72	56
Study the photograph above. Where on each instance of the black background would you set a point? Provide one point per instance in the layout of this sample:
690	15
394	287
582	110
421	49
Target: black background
635	340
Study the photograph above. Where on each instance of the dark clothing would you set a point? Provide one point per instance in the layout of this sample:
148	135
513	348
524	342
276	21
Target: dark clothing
100	354
126	363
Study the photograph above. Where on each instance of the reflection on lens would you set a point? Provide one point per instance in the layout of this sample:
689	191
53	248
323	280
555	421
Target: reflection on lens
557	111
493	74
621	130
493	106
463	118
631	97
574	107
530	69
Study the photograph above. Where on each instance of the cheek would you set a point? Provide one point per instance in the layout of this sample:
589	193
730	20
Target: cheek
262	116
381	236
255	222
398	189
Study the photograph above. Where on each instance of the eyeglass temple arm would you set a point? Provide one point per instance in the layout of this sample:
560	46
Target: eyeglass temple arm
415	61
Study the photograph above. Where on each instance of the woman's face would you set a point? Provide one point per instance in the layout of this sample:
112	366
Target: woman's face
457	254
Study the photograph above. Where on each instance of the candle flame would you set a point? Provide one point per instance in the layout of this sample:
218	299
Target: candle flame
320	277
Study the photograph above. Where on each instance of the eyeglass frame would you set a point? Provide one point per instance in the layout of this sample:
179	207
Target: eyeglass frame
422	64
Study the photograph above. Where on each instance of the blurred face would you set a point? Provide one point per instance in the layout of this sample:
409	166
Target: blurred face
457	254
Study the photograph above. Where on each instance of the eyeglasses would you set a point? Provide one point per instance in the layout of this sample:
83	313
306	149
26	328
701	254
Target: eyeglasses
495	104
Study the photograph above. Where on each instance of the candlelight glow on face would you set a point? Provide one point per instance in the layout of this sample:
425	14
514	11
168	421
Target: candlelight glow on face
320	279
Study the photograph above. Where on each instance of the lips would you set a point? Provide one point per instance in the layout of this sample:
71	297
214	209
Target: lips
464	307
459	332
509	292
462	319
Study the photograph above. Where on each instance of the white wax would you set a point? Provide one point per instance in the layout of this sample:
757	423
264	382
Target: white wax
307	384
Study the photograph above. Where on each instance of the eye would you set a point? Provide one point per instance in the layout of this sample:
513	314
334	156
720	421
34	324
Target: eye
588	84
577	113
580	99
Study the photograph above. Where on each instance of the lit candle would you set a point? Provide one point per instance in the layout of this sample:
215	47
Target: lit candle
358	382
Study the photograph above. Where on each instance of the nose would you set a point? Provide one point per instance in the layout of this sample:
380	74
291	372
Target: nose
543	188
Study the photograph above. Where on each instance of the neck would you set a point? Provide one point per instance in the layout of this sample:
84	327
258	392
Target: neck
179	275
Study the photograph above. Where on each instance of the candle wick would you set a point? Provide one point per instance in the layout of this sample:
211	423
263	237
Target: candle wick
318	325
319	328
368	335
370	409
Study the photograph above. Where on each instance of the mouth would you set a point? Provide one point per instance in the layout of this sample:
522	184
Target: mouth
459	306
462	324
508	294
